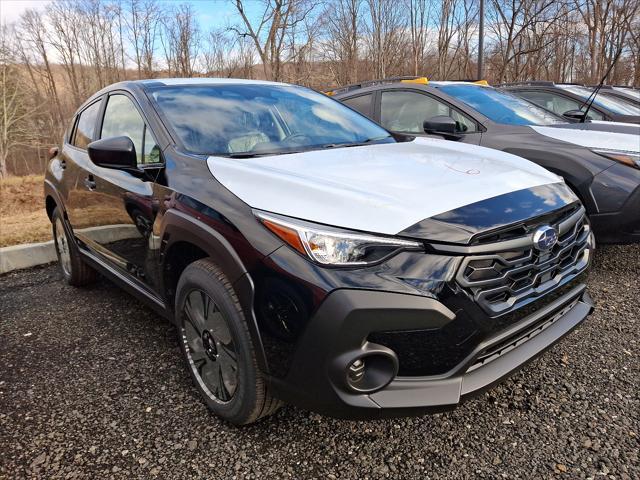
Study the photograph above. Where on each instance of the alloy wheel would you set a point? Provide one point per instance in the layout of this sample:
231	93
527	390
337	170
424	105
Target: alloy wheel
62	246
209	346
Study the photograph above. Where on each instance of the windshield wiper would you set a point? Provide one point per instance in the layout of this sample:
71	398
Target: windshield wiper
245	154
259	154
318	147
357	144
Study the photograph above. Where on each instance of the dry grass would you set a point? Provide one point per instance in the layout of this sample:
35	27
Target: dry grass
23	218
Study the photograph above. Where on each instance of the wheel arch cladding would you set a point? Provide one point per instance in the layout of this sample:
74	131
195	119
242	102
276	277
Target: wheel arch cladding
50	205
52	199
186	240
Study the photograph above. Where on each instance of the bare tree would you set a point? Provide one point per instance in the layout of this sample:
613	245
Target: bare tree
271	32
15	106
446	31
142	20
419	17
181	40
342	22
386	39
65	24
33	32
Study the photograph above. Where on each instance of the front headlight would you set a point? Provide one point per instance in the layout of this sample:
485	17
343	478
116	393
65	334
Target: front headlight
628	158
333	246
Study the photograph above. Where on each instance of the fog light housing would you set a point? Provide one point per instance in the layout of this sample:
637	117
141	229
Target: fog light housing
368	370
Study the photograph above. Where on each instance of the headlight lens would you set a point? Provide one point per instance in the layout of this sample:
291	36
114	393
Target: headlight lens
332	246
628	158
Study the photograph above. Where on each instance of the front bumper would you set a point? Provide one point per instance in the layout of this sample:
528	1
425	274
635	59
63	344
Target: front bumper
617	194
334	339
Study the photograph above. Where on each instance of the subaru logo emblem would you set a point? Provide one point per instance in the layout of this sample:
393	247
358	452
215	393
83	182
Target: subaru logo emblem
545	238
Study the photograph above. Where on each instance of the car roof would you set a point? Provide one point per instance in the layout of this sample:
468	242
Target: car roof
137	85
205	81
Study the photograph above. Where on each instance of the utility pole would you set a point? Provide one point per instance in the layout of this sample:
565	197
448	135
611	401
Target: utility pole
481	43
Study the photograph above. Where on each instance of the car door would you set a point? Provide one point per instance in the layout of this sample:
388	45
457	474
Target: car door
558	103
406	110
122	206
75	162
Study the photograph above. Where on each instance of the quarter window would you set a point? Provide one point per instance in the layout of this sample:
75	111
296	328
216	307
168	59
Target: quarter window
404	111
121	118
86	126
361	103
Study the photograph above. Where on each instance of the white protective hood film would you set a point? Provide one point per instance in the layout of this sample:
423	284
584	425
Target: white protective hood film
382	188
592	138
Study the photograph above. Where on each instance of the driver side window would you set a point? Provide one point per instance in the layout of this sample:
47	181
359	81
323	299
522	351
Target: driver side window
404	111
121	118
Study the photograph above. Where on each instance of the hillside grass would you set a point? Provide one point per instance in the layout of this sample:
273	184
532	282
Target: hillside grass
23	218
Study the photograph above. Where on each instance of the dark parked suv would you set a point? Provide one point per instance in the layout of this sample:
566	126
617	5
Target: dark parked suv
569	100
308	256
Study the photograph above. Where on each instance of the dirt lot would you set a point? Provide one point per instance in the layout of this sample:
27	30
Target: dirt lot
92	386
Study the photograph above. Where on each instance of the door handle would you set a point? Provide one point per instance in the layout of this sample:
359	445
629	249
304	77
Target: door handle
90	182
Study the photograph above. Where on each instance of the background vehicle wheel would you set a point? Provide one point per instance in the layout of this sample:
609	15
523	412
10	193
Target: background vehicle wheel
75	271
214	338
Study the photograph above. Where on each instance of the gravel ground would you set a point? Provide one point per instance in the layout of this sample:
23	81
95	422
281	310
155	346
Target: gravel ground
92	386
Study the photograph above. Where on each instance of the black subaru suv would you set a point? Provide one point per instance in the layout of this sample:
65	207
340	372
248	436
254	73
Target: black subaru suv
308	256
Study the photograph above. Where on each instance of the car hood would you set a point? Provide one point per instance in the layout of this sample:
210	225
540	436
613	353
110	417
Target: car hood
383	188
592	138
603	126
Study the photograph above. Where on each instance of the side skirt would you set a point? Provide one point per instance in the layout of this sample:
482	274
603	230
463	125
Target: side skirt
127	284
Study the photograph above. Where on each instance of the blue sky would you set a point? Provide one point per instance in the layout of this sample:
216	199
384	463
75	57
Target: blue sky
211	13
217	13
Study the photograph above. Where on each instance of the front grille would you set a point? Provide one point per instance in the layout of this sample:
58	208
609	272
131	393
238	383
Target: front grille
515	271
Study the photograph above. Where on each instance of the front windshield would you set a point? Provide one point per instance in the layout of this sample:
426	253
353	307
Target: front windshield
613	104
501	107
261	119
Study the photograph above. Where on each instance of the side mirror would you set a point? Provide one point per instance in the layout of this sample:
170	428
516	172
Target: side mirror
575	115
114	152
441	125
53	152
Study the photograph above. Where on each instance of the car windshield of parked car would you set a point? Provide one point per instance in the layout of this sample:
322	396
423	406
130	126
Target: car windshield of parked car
501	107
613	104
261	119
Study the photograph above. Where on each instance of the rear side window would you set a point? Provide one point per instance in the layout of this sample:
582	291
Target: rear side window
86	126
361	103
121	118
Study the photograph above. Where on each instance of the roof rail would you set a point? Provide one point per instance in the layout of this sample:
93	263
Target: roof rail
527	82
602	87
371	83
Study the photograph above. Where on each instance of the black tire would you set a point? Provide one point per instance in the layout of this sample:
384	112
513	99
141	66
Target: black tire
218	350
74	269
